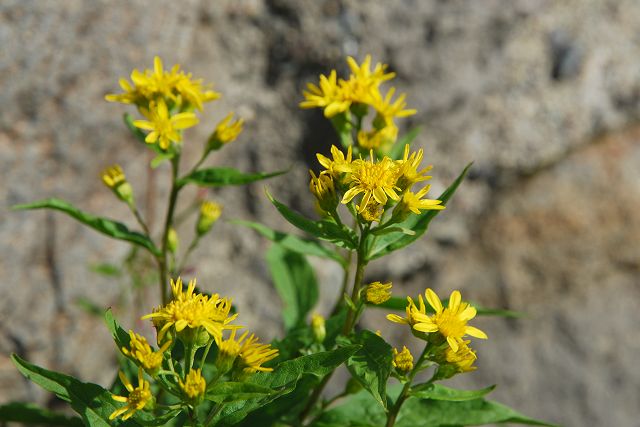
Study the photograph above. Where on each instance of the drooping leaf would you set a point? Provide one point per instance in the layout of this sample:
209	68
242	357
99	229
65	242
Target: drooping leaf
371	365
216	177
398	148
294	243
106	226
323	229
284	379
387	243
30	414
440	392
295	282
234	391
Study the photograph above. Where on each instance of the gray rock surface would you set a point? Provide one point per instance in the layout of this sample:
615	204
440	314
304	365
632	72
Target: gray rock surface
543	95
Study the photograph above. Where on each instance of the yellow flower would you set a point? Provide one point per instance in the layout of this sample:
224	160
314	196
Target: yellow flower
327	95
408	173
164	128
339	165
209	214
412	311
450	322
411	202
114	178
141	352
253	354
388	109
462	359
194	385
374	180
377	293
362	86
174	86
324	191
403	360
372	212
192	311
137	399
226	131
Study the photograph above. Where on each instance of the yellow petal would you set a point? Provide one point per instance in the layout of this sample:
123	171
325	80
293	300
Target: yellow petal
454	300
184	120
396	319
425	327
453	344
475	332
433	300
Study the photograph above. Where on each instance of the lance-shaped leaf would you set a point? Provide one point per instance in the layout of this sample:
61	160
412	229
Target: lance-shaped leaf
293	242
230	391
120	336
371	365
217	177
295	282
111	228
30	414
440	392
384	244
323	229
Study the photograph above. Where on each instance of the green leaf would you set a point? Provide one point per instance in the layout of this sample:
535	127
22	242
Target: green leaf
109	227
284	379
440	392
216	177
294	243
357	410
468	413
397	150
323	229
92	402
160	159
31	414
120	336
295	282
387	243
234	391
371	365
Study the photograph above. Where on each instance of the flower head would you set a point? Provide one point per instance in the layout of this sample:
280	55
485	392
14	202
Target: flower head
377	293
142	354
138	397
378	138
192	311
363	84
328	95
318	327
450	322
324	191
388	109
403	360
462	359
339	164
114	178
375	180
408	173
414	202
194	385
253	354
209	214
164	128
226	131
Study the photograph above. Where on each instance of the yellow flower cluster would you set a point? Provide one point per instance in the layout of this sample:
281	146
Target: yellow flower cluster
444	325
174	86
376	293
194	385
246	353
189	311
376	182
361	91
142	354
402	360
138	397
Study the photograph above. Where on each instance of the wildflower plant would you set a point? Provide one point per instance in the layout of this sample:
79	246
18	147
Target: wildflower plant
204	368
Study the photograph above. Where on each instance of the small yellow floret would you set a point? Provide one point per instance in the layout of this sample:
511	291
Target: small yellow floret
377	293
318	327
141	352
113	176
462	359
376	180
209	214
194	385
164	128
137	399
414	202
227	130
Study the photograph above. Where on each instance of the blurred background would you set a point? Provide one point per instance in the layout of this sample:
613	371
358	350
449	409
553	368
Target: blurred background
544	97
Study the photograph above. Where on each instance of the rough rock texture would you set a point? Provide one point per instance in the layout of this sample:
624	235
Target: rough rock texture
542	95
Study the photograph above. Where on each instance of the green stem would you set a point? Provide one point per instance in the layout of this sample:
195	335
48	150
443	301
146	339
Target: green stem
404	394
140	220
206	352
216	410
173	197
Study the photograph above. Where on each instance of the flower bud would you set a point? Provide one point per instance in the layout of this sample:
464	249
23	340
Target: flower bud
194	386
318	328
114	178
209	214
173	242
323	189
376	293
403	360
228	351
